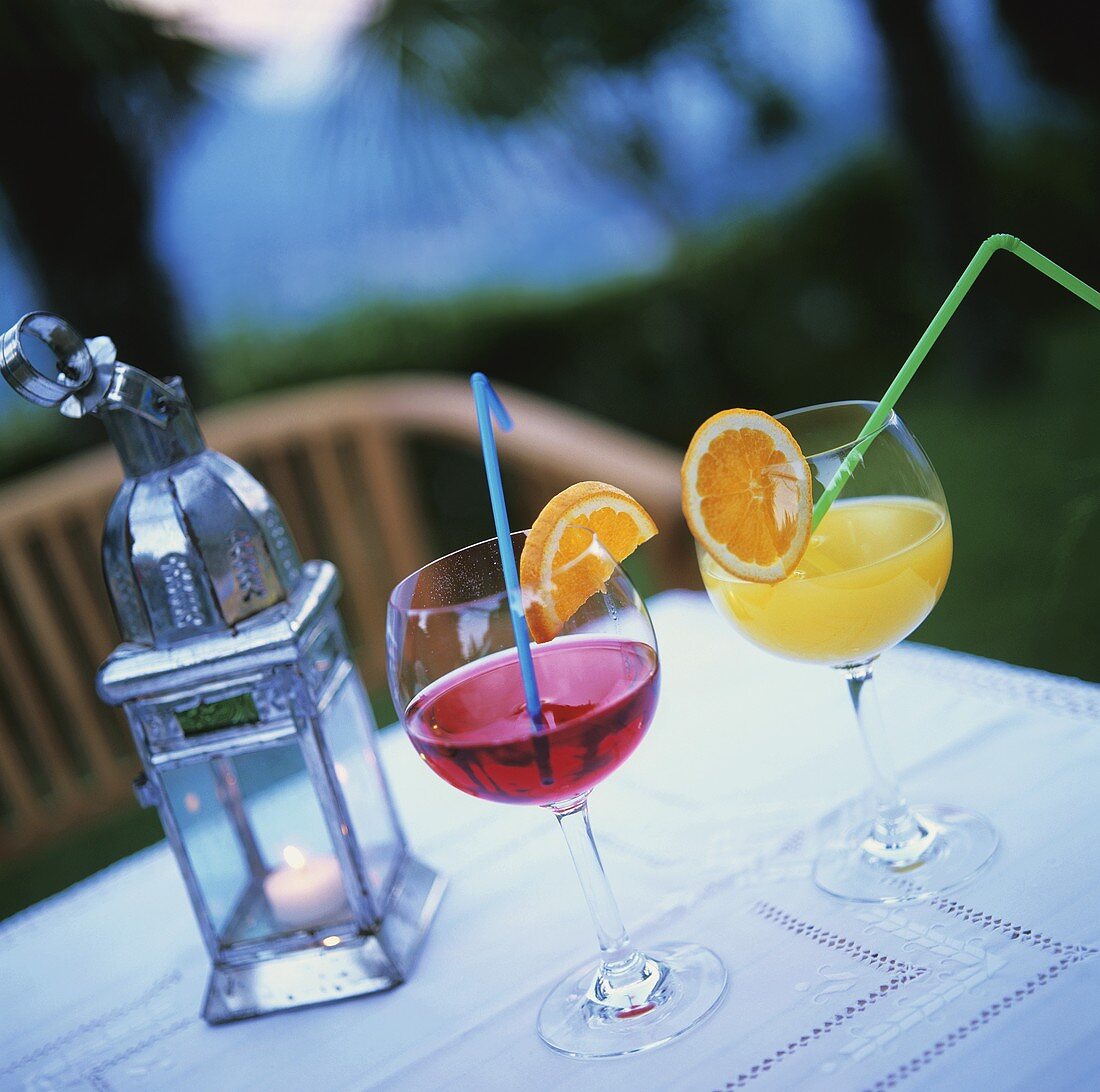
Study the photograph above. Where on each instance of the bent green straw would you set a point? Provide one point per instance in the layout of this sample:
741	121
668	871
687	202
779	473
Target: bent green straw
885	407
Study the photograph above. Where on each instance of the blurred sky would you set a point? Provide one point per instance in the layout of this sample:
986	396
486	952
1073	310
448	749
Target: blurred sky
281	201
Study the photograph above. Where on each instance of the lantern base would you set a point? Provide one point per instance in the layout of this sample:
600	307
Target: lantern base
335	967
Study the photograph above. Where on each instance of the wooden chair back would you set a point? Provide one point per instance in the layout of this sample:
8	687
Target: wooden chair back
340	459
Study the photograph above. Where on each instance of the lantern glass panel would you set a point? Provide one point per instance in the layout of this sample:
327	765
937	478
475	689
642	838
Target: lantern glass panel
216	854
346	723
258	810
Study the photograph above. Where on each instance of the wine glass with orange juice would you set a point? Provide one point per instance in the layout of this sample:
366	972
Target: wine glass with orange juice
837	594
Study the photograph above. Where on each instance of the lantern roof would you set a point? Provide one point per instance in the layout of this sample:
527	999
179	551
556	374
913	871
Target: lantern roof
135	671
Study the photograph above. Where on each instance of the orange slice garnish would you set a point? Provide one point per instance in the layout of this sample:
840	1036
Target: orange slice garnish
558	568
746	493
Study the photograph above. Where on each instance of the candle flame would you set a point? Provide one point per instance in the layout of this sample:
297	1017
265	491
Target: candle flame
341	773
294	857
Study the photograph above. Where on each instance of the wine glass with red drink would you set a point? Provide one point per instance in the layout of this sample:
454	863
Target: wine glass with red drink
456	678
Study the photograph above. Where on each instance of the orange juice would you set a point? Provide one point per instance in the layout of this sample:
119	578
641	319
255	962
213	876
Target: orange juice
873	570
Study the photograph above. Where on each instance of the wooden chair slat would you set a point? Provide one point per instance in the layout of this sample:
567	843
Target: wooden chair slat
95	629
42	733
73	689
271	468
15	780
389	479
278	476
361	587
89	517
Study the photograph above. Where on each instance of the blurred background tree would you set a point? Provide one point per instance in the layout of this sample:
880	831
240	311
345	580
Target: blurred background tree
945	162
1056	47
90	95
541	62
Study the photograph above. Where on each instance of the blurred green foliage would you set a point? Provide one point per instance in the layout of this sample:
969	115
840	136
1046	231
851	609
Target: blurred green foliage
495	62
502	61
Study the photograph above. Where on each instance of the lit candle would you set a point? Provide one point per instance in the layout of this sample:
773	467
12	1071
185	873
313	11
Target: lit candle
309	891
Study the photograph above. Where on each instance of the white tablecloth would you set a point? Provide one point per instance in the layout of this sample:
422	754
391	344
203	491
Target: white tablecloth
707	834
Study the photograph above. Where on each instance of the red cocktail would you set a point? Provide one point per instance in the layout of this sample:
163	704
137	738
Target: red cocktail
598	697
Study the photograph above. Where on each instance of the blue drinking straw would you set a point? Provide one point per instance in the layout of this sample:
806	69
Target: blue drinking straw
488	405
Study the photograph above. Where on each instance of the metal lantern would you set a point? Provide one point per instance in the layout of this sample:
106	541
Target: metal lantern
255	734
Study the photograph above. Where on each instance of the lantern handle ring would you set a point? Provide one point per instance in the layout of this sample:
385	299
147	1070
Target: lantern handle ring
88	377
73	364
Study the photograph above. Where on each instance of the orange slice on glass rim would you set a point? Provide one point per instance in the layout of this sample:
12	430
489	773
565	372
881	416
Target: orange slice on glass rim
558	569
747	496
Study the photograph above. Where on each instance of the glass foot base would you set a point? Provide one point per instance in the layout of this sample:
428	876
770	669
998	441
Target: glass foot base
960	844
682	985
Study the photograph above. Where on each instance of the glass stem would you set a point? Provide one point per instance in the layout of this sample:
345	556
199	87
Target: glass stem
623	964
896	828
